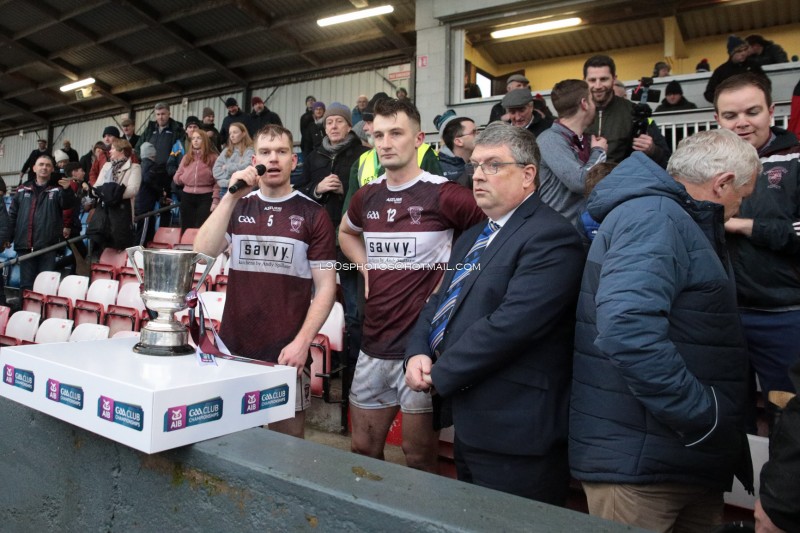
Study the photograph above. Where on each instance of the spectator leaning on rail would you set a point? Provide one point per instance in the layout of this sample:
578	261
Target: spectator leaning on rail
738	63
674	100
36	219
613	120
764	52
659	384
765	245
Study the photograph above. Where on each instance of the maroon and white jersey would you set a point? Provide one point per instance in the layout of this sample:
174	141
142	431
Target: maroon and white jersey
275	243
408	233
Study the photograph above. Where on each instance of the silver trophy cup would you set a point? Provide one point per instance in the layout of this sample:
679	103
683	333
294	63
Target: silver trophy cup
168	276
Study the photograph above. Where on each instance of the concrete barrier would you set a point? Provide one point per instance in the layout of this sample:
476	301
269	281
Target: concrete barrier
56	476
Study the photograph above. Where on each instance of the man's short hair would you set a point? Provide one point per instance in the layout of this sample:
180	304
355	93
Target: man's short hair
71	167
600	61
271	131
567	95
740	81
454	128
161	105
519	141
392	106
707	154
45	156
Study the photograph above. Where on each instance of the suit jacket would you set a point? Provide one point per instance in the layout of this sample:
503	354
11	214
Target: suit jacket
505	363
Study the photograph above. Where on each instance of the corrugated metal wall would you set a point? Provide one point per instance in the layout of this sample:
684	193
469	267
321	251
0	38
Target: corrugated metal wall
287	100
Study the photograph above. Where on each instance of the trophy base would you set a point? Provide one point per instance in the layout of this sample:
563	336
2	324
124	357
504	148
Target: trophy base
163	351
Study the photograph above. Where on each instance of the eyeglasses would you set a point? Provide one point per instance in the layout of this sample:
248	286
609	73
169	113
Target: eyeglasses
465	134
489	169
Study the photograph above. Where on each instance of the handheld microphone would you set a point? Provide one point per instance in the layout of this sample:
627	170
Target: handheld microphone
241	183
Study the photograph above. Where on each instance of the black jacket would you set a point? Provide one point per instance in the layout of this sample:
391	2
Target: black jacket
320	163
682	105
725	71
36	216
229	119
306	141
259	120
772	53
164	140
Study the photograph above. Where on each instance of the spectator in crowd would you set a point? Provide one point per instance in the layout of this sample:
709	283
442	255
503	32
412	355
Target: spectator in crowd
154	180
61	159
471	90
269	314
703	66
515	81
361	105
165	134
674	100
738	63
458	135
656	419
765	247
325	179
235	114
88	159
74	172
36	219
5	235
316	129
613	120
401	93
587	226
260	116
129	132
123	170
27	167
237	155
520	109
406	204
764	52
210	129
200	190
619	89
475	340
306	119
568	154
778	508
71	153
661	70
794	111
369	167
110	133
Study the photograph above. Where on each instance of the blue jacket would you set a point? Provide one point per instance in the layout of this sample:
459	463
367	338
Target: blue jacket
660	368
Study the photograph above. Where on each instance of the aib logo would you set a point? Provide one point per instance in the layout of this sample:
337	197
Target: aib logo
52	389
106	408
177	418
9	375
251	402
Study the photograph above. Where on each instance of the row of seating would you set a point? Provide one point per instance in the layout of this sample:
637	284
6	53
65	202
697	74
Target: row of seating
23	327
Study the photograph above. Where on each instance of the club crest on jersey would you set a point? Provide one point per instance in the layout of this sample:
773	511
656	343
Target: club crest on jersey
775	177
416	213
296	222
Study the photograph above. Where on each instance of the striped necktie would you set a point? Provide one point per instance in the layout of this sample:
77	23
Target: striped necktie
442	316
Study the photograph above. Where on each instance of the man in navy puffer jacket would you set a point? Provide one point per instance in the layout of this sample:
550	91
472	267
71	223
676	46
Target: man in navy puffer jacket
660	370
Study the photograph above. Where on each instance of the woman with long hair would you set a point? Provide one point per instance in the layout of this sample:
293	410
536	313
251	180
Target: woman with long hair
119	169
200	190
237	155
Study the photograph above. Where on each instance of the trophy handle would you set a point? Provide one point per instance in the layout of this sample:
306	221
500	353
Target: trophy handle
209	264
131	251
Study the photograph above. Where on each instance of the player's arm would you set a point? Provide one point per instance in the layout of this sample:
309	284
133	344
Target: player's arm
352	245
210	238
296	352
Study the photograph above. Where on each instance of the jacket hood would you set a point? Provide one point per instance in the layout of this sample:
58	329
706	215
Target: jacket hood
636	176
448	155
784	140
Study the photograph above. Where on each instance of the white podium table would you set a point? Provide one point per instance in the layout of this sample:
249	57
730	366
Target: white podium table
148	403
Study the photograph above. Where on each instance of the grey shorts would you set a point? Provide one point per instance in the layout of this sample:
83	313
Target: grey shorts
381	383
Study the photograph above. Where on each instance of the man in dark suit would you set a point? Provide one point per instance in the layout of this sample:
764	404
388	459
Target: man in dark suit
495	342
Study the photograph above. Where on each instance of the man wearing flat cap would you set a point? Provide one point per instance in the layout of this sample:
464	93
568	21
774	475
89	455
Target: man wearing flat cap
519	107
515	81
260	116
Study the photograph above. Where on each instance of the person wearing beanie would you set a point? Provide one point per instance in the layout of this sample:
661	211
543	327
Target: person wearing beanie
260	116
209	127
110	133
129	132
306	119
764	52
738	63
61	158
315	130
235	114
703	66
661	70
674	100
